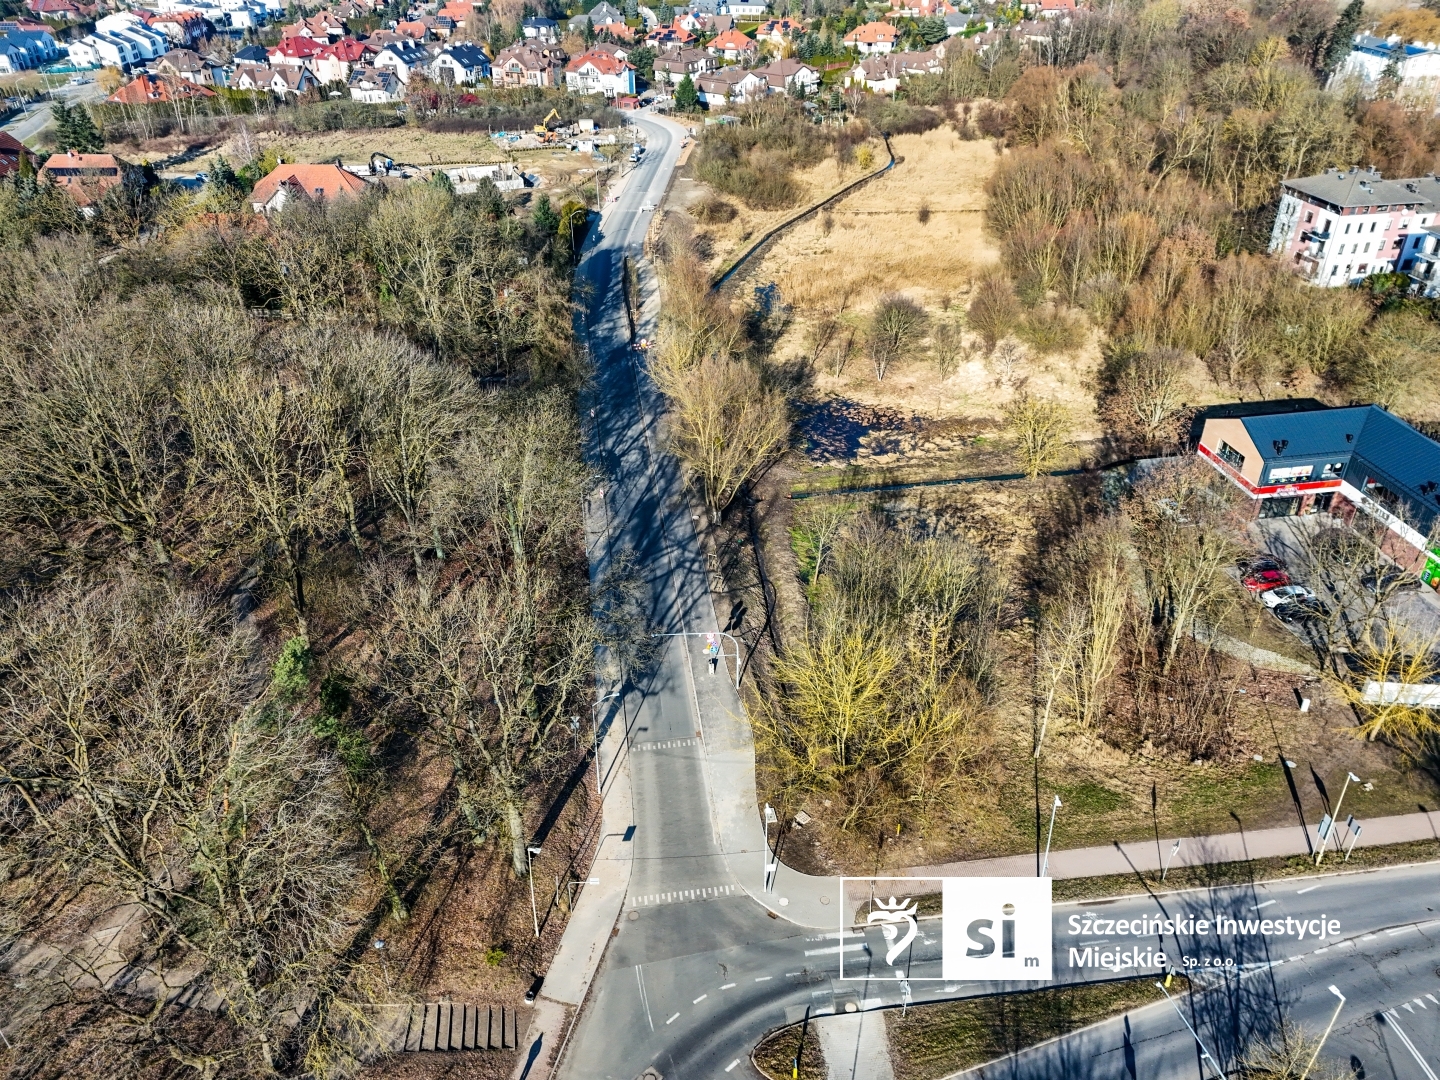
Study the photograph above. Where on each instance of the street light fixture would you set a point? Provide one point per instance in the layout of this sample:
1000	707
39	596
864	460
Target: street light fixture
1335	1016
1335	818
530	873
1166	868
771	863
595	731
1219	1073
1053	807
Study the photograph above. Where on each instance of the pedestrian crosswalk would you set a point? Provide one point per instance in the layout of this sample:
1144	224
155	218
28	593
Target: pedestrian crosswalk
665	744
685	896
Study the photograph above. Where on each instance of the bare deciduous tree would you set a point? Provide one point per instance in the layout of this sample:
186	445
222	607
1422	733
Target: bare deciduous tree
896	330
1040	429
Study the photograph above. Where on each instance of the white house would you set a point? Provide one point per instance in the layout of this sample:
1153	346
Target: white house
1415	64
782	76
596	72
375	86
403	59
740	9
150	44
719	88
463	64
884	74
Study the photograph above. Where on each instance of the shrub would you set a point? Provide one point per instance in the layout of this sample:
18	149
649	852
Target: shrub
290	677
713	211
1049	330
995	311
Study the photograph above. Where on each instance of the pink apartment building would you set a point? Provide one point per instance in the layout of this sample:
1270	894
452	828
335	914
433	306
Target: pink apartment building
1340	227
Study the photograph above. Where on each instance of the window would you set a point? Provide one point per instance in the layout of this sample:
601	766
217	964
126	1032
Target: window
1231	456
1290	473
1347	226
1372	225
1309	216
1367	249
1362	267
1332	470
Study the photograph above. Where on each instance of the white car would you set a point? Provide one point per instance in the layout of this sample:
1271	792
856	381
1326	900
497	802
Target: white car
645	208
1287	594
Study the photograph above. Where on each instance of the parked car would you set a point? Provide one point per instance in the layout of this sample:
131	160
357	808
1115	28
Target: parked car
1258	581
1261	561
1390	579
1297	595
1292	613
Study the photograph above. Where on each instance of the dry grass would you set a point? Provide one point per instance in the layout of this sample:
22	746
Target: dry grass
413	145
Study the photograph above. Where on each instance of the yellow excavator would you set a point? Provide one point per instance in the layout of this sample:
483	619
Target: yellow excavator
543	128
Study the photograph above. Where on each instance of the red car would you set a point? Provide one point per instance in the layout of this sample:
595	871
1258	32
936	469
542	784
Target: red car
1263	580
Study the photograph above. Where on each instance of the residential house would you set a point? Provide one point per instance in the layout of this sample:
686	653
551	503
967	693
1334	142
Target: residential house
324	28
190	66
403	60
921	9
546	30
457	11
375	86
873	37
616	30
380	38
523	64
147	89
251	54
718	24
182	28
672	35
23	50
595	72
672	66
11	151
1298	457
782	76
776	31
333	63
289	182
1055	9
252	77
956	24
883	74
1415	65
87	177
464	64
718	88
602	12
733	45
292	82
121	40
55	10
412	30
293	52
620	52
744	9
1341	226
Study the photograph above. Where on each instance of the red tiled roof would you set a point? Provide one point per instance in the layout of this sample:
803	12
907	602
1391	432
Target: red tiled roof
874	32
298	48
316	181
347	49
731	41
83	174
147	89
603	62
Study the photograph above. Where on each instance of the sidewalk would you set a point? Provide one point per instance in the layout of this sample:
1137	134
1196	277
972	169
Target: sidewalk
1118	858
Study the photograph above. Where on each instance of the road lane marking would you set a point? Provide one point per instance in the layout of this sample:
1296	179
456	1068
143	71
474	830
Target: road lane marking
1392	933
1432	999
701	998
1395	1023
684	896
1369	937
728	986
1324	950
765	978
1302	892
1418	1002
644	997
732	1064
833	949
1266	904
672	1019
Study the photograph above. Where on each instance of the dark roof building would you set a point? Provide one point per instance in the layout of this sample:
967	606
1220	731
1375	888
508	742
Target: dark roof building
1296	461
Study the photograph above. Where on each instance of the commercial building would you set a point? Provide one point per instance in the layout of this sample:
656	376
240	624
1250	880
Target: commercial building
1299	457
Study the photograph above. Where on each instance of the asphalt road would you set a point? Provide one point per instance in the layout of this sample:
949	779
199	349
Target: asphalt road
29	126
697	972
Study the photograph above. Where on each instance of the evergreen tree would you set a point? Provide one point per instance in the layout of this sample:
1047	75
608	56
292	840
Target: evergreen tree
588	31
643	61
1342	36
64	126
933	30
86	135
665	13
632	9
687	98
547	222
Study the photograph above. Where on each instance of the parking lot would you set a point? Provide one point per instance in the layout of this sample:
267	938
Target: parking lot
1415	611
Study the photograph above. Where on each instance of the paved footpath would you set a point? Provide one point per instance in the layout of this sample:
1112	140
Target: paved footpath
1117	858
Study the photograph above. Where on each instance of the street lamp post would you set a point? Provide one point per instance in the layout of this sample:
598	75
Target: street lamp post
595	731
530	873
1219	1073
771	863
1335	818
1334	1016
1053	807
1166	868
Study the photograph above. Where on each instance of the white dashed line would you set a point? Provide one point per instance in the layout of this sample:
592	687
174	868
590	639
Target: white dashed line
1302	892
728	986
701	998
732	1064
765	978
1369	937
673	1019
1266	904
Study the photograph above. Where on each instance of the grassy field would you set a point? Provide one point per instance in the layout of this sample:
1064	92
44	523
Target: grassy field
931	1041
404	144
